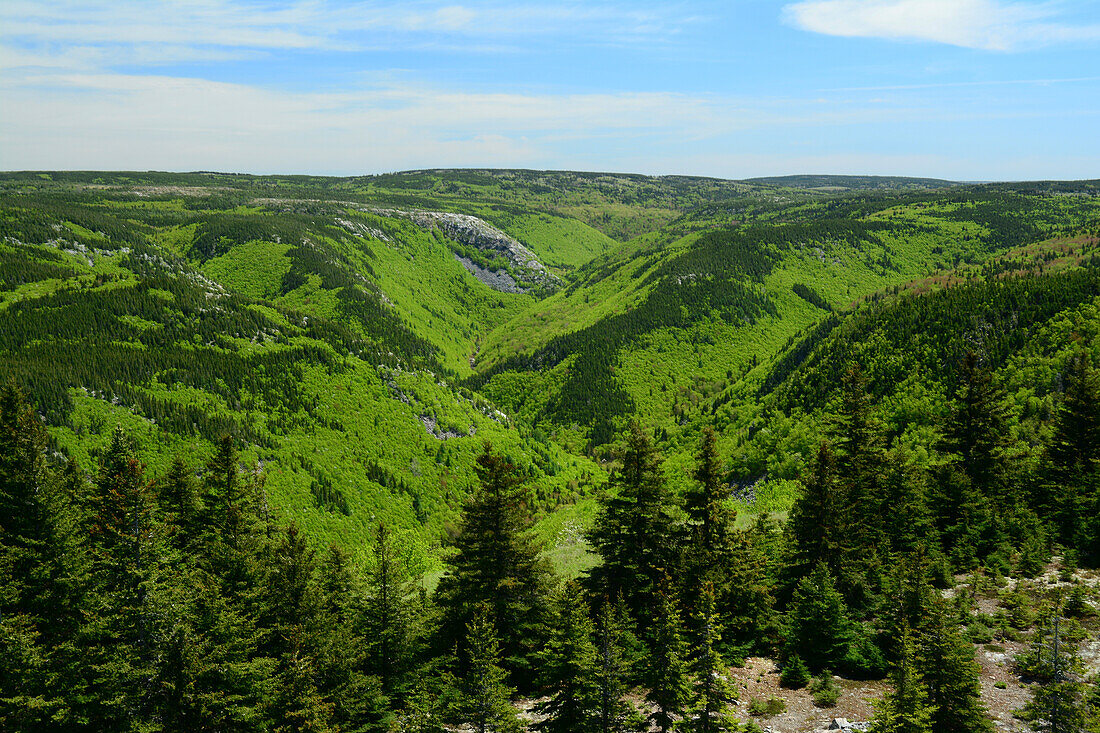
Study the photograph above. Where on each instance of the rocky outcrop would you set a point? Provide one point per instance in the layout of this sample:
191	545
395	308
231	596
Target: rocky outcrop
474	232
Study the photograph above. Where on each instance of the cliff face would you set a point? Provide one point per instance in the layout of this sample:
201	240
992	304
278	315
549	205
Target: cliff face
474	232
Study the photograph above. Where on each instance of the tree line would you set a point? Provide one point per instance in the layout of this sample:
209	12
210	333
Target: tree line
183	602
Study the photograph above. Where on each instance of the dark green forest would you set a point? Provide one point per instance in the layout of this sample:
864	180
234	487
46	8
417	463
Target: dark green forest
273	458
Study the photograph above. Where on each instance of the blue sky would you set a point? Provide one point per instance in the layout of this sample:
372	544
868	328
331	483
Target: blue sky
962	89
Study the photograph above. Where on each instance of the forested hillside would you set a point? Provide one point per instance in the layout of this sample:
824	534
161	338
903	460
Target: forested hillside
405	452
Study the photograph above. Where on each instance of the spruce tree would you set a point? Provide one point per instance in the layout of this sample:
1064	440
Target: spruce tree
1059	701
344	669
179	500
667	668
945	661
497	564
615	714
907	707
389	626
711	712
632	532
818	629
125	553
710	521
861	463
978	432
1073	455
568	667
814	529
486	702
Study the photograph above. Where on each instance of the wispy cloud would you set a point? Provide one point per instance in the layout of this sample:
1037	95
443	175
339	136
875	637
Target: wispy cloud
56	118
992	25
198	29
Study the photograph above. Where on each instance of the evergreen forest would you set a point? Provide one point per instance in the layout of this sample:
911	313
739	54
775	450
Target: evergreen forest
513	450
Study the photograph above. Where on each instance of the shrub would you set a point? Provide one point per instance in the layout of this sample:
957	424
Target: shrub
767	708
825	690
794	676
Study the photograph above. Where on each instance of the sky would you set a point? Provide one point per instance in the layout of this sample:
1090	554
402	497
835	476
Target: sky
971	90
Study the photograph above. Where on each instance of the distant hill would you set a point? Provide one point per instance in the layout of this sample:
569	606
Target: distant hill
854	183
355	334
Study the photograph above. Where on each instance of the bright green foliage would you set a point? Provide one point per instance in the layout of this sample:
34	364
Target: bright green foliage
666	674
568	667
907	707
486	697
496	565
711	709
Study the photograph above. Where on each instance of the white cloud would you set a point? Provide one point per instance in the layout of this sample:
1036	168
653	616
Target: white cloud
992	25
58	118
191	28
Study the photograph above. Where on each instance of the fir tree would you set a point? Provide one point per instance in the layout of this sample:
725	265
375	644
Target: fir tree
667	668
568	667
711	712
907	707
497	564
946	663
615	714
486	702
632	532
819	628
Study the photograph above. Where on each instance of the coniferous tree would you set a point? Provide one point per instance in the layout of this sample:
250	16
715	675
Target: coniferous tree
710	521
497	565
633	530
486	697
1059	701
1073	457
907	707
179	499
38	565
945	661
569	668
667	669
978	432
344	671
615	714
389	626
861	463
125	553
814	528
711	712
819	629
